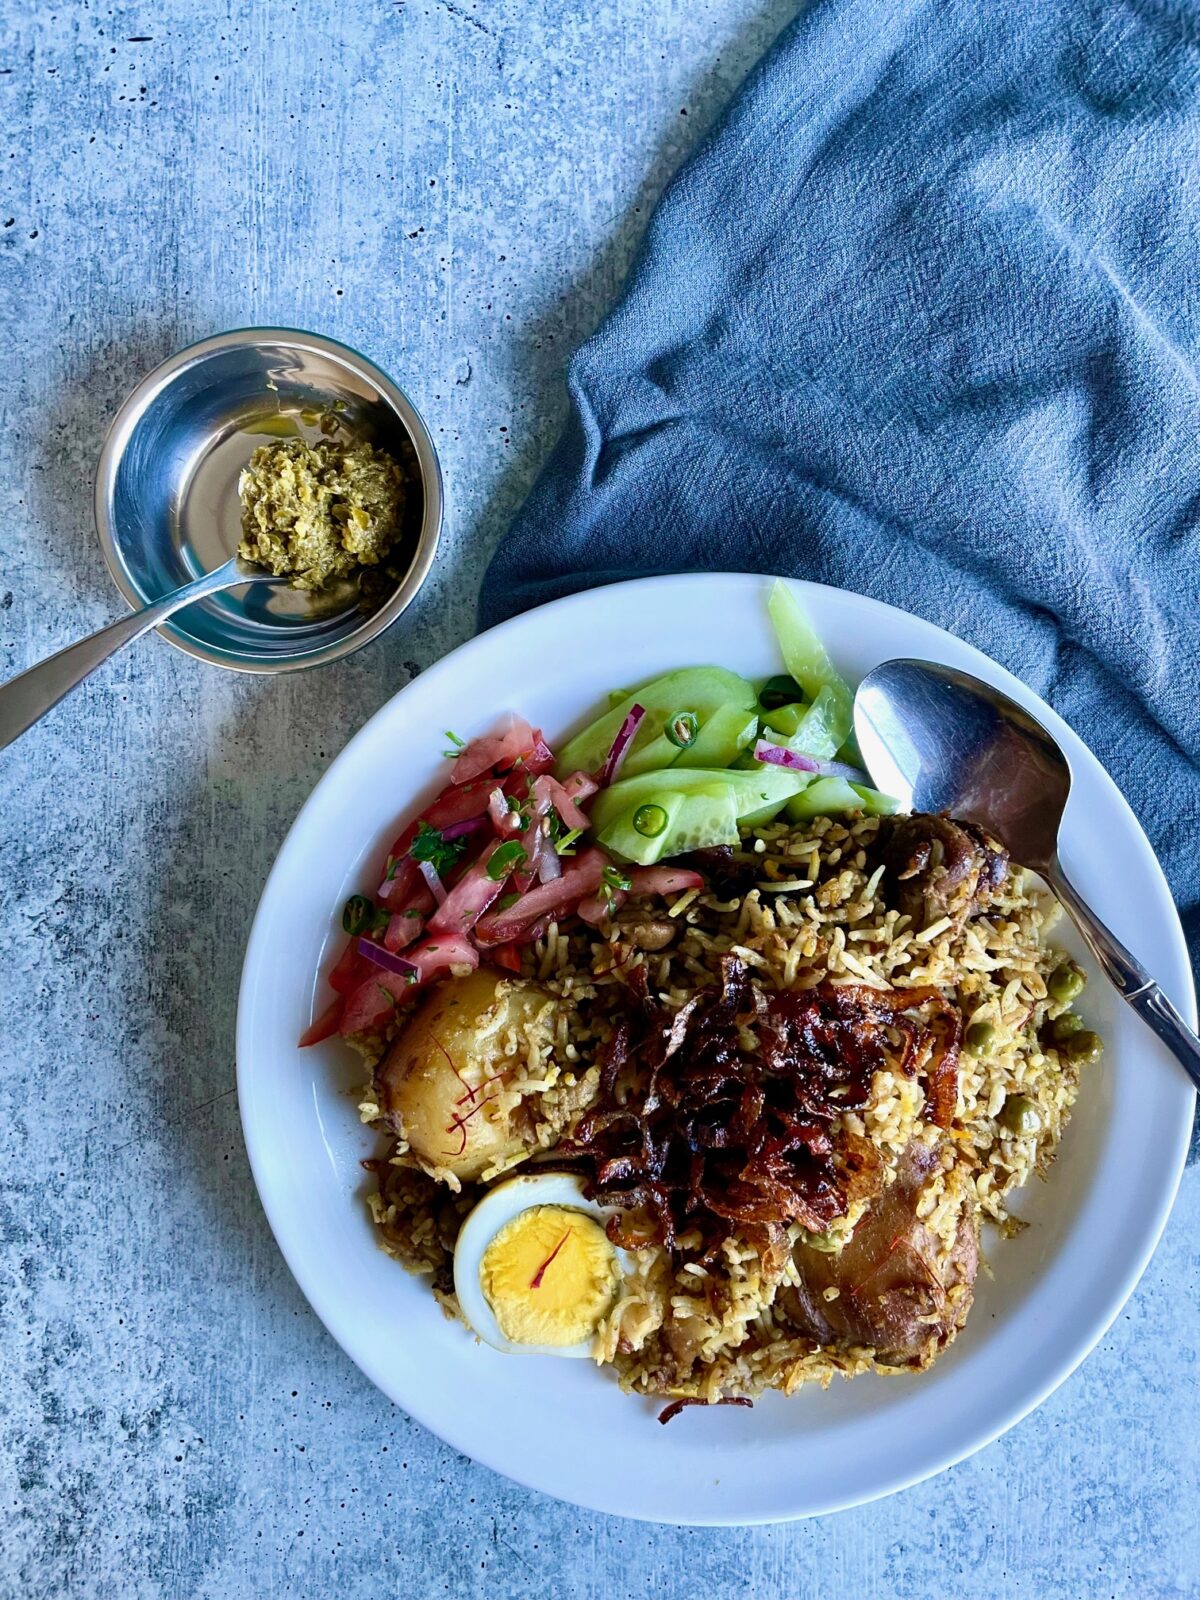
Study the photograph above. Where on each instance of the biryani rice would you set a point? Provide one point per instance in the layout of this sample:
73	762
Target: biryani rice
817	912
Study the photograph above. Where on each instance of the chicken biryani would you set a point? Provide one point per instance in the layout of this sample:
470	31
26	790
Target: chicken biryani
704	1064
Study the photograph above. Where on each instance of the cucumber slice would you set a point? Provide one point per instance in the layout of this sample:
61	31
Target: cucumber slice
721	739
828	797
704	691
819	732
785	720
805	658
874	802
824	797
753	792
695	821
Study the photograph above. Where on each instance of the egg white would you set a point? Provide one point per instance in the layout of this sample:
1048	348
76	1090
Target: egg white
499	1206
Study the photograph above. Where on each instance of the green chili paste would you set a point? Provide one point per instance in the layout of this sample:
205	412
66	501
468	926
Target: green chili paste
318	512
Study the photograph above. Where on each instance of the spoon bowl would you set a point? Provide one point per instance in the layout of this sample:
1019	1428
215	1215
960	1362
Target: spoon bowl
941	740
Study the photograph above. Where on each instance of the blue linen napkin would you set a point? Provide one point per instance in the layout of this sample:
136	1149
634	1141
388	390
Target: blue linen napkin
921	319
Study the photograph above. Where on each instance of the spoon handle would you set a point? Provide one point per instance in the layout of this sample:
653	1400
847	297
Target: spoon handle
1130	977
32	693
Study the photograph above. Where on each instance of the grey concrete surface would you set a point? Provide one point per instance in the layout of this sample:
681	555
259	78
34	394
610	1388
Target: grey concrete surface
455	188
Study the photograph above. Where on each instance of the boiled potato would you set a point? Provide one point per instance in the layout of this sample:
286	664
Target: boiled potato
439	1085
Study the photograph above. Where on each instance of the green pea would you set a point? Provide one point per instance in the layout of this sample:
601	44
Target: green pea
1066	984
980	1038
819	1241
1085	1048
1020	1116
1062	1028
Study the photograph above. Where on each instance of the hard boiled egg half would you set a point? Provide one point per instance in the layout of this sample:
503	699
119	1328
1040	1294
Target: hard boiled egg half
534	1270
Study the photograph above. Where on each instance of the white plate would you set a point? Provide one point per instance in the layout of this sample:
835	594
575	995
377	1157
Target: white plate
563	1426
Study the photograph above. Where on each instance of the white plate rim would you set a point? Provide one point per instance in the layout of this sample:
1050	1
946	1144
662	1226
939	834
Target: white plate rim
1179	983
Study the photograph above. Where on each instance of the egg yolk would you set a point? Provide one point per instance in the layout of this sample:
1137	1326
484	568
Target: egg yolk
549	1275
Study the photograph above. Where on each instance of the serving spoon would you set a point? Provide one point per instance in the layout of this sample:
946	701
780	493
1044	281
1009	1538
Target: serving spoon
941	740
28	696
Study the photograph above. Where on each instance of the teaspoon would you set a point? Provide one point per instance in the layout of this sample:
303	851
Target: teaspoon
28	696
941	740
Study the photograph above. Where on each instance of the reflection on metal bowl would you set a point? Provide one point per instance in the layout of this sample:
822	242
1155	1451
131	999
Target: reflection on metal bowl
167	506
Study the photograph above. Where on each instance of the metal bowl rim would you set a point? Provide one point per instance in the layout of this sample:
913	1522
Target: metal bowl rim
148	389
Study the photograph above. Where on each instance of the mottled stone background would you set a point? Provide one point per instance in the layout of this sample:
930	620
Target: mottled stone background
456	188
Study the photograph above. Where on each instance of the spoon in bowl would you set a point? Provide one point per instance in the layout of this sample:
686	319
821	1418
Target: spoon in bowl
28	696
941	740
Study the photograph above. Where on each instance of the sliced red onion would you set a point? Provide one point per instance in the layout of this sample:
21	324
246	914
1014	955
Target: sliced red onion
385	959
537	847
505	821
843	769
549	866
534	838
620	746
456	830
777	755
430	873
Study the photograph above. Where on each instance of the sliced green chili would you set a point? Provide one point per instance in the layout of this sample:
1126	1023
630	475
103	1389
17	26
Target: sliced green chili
682	728
505	858
650	821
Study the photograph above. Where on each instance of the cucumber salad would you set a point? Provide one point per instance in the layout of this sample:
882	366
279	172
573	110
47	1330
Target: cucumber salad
521	837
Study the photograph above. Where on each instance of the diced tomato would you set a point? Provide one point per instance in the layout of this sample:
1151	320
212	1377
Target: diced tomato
593	908
567	809
350	969
404	927
541	757
374	1002
506	956
663	880
440	951
514	743
580	786
327	1024
400	887
582	877
371	1004
471	895
457	803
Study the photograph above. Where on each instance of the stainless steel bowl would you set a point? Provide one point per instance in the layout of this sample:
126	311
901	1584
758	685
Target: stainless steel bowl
167	507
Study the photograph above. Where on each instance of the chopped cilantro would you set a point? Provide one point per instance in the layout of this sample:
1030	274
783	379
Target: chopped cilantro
432	845
565	845
612	881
